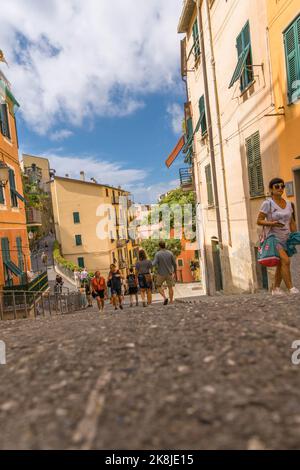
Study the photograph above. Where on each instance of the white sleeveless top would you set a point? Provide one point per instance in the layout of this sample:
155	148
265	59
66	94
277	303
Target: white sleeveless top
284	216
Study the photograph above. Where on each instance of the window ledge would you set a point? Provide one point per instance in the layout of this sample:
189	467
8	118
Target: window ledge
262	196
247	88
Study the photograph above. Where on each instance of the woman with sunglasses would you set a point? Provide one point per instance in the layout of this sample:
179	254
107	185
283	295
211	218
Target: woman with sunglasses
278	216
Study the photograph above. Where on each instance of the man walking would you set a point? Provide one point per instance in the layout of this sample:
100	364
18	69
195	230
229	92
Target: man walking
166	268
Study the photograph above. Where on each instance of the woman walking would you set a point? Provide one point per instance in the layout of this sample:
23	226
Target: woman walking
132	287
115	282
143	269
99	290
278	216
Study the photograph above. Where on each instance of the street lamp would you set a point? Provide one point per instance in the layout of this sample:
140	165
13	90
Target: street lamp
4	174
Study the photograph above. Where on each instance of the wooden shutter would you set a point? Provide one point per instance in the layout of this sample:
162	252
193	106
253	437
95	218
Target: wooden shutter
4	121
256	180
5	249
292	52
12	183
202	115
210	192
196	40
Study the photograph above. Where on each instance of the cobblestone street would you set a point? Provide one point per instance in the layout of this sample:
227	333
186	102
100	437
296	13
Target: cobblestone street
215	373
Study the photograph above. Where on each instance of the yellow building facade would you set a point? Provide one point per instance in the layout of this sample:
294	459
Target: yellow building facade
84	216
284	40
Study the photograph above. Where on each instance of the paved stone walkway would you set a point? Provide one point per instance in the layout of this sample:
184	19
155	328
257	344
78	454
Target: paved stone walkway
215	374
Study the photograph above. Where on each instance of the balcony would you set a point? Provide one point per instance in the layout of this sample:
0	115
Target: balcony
33	217
186	179
121	243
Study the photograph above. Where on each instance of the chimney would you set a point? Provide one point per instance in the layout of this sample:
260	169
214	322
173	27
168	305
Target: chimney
82	176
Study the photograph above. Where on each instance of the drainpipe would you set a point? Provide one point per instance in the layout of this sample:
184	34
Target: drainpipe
209	124
219	126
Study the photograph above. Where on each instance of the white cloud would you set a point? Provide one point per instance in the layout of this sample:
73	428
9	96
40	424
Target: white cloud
175	113
113	174
73	59
63	134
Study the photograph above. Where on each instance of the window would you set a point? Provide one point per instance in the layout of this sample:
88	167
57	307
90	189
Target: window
12	183
20	253
2	201
244	68
76	217
292	54
6	258
196	38
4	122
202	120
107	194
180	263
209	185
256	181
80	262
78	240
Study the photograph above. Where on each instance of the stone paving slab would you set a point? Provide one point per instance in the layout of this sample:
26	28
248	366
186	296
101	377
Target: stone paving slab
212	375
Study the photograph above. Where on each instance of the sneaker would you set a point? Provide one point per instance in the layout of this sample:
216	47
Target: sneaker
294	291
166	302
277	291
121	307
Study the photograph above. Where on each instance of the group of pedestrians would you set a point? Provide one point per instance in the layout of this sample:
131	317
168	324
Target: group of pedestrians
138	280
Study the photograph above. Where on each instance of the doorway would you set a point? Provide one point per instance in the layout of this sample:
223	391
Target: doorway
216	251
297	194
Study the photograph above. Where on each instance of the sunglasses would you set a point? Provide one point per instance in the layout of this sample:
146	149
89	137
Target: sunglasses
279	186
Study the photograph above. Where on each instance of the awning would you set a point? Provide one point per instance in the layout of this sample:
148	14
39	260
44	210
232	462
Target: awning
172	157
240	66
15	192
13	268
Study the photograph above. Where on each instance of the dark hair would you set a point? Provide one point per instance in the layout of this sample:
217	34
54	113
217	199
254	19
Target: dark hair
142	255
162	244
275	181
131	270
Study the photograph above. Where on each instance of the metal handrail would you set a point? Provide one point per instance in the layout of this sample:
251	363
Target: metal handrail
38	302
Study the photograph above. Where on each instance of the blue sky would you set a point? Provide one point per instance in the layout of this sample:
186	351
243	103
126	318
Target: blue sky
98	93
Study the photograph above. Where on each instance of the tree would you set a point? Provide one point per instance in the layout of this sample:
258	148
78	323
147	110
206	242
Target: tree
152	246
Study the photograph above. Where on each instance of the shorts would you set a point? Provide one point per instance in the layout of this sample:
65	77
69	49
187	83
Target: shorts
99	293
116	291
133	290
160	280
143	282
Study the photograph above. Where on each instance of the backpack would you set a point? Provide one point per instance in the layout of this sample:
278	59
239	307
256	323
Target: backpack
132	280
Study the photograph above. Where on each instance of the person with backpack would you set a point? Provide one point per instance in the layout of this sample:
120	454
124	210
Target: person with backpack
115	282
132	284
166	271
277	216
143	269
99	290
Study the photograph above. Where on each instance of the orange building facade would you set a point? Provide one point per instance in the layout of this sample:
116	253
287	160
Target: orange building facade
14	246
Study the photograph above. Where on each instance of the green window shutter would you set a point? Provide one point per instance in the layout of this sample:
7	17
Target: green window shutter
5	249
20	253
76	217
292	53
80	262
4	122
12	183
255	172
203	122
243	70
196	39
190	127
209	185
78	240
